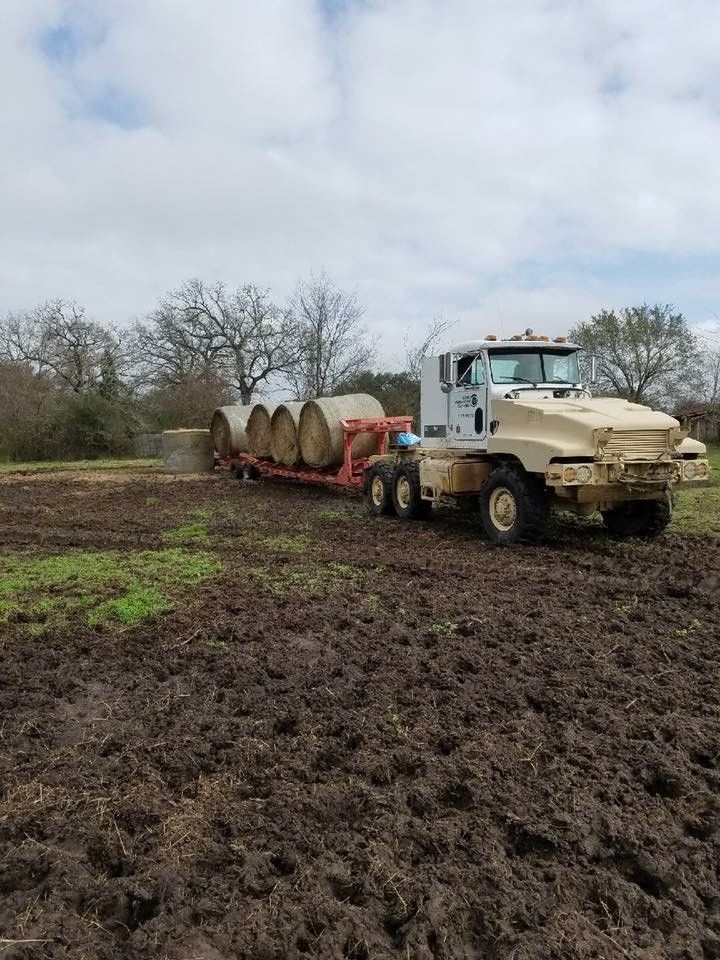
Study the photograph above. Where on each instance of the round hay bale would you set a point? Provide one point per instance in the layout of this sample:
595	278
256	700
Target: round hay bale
188	451
320	433
284	429
258	429
228	426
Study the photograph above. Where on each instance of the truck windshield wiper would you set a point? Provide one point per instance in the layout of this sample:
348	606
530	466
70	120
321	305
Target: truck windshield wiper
519	380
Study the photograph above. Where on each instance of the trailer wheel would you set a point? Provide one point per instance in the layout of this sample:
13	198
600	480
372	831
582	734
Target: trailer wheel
378	489
248	471
638	518
513	507
408	503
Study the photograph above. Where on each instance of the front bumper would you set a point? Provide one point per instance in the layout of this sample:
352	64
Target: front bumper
643	475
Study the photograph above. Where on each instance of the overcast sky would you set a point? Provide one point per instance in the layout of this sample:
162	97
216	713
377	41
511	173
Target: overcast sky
501	164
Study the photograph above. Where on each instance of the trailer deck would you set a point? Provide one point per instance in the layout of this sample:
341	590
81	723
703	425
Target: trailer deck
349	473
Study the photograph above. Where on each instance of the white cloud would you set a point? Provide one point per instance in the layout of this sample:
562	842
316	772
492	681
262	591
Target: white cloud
424	151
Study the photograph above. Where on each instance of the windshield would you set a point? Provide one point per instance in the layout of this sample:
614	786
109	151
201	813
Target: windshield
534	366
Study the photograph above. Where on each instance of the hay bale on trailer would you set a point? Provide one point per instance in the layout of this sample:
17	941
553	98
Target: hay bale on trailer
228	428
284	430
259	432
188	451
320	433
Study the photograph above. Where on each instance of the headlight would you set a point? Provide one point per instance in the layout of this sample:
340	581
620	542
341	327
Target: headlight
694	470
584	474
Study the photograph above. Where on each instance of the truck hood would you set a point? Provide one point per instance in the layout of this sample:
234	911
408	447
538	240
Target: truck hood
539	430
594	413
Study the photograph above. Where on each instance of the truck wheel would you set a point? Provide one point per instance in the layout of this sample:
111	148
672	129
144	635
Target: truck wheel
638	518
408	503
513	507
378	489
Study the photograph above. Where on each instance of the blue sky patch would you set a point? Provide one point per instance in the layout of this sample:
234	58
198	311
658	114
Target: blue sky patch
116	107
60	43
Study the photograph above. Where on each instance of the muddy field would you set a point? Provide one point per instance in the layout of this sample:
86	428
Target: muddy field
316	734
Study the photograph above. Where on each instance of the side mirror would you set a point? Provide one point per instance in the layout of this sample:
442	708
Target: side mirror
446	369
593	373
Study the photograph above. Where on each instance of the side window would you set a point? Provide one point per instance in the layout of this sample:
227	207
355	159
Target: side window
464	370
470	371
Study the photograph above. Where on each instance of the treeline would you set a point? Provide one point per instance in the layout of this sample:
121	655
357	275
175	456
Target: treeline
73	386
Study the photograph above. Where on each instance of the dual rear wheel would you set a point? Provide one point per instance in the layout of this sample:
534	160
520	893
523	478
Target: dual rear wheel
396	489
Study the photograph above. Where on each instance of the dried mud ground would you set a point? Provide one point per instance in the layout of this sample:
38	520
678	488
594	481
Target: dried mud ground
308	733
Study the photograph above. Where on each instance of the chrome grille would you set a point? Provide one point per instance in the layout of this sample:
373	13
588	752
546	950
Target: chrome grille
641	444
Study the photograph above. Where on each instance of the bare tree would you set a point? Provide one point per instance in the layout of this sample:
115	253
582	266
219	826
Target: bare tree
240	334
416	353
58	340
334	346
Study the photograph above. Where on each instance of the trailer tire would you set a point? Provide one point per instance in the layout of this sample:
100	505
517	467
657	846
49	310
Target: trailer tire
638	518
406	498
248	471
378	489
513	507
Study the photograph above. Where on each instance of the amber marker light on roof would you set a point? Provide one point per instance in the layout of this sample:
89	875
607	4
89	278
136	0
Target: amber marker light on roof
559	339
543	337
516	336
491	336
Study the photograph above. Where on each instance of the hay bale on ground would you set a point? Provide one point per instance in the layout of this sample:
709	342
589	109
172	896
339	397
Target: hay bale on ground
188	451
284	433
228	428
259	432
320	433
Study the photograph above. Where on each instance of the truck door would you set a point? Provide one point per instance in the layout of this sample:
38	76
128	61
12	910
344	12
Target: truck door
468	403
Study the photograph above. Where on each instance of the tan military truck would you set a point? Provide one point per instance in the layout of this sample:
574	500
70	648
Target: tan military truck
508	428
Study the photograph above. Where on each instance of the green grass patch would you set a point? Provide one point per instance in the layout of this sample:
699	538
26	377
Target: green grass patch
107	586
110	464
131	607
306	578
284	543
187	533
714	458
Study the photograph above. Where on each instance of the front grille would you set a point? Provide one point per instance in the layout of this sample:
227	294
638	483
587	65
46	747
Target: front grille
640	444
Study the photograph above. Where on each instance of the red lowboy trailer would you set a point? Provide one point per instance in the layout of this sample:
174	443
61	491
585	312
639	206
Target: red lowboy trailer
349	473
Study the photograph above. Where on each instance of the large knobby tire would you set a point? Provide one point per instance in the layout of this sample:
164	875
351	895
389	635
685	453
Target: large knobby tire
638	518
513	507
408	503
378	489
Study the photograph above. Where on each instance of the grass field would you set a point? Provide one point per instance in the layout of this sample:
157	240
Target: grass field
32	465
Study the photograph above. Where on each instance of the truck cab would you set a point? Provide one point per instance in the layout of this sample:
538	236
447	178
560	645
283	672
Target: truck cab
458	387
508	427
